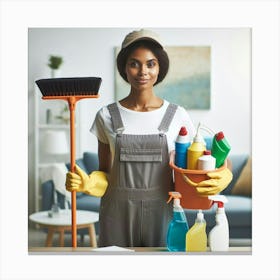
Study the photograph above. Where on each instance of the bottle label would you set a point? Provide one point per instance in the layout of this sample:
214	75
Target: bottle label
206	162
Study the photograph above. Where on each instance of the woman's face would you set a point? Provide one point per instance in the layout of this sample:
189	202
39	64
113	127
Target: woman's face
142	68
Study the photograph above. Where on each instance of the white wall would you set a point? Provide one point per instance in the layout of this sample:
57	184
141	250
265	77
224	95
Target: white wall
89	52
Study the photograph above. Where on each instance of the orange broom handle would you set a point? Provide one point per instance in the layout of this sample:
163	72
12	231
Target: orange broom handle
72	100
72	104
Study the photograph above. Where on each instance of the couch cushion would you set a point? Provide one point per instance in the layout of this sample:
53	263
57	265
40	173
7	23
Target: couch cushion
238	162
238	210
91	161
243	186
88	202
81	164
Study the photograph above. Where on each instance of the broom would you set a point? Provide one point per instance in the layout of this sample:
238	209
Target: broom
70	90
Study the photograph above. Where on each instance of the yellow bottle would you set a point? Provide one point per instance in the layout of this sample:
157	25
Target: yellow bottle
195	151
196	238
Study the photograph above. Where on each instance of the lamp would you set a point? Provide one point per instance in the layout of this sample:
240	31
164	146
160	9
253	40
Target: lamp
55	142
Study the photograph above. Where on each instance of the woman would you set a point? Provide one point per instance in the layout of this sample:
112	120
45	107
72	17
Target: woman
135	136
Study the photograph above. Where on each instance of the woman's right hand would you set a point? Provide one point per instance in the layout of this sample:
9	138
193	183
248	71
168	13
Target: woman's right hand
76	181
94	184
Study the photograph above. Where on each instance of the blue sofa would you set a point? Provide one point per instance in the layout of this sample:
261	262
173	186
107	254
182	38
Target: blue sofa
238	209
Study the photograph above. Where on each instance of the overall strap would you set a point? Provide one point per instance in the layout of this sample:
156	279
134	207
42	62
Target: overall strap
116	118
167	118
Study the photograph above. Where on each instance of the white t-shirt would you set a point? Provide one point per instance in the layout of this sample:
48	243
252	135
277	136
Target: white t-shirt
141	123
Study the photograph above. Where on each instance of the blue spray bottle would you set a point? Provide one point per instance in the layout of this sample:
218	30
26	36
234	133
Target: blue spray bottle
178	226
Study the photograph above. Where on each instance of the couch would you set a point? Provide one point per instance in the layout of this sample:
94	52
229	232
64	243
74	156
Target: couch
238	209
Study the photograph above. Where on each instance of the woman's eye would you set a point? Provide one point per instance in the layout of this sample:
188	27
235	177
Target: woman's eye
134	64
151	64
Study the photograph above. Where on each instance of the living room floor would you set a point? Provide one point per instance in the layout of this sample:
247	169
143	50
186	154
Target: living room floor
37	238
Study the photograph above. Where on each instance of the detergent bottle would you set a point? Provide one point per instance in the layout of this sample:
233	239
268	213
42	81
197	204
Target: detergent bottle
178	226
196	237
220	148
206	162
195	150
219	235
182	144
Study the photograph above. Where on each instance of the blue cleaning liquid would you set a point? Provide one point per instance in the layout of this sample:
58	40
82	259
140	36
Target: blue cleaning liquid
181	154
182	144
176	235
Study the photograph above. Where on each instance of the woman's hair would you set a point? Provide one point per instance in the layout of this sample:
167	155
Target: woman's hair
156	49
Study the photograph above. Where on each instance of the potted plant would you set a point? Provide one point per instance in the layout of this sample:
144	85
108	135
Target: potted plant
54	63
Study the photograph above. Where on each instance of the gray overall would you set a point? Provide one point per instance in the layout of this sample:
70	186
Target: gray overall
133	211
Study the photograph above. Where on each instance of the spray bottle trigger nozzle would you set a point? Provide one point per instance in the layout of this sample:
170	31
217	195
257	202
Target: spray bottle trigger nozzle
173	195
219	199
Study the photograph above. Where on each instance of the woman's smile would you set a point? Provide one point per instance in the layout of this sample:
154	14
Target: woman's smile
142	81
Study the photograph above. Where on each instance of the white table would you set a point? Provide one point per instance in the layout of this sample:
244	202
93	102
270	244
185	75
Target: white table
61	222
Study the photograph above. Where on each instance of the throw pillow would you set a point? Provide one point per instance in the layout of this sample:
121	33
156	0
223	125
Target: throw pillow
243	184
91	161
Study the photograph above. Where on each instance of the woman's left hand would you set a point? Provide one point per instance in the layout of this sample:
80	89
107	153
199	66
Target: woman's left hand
218	181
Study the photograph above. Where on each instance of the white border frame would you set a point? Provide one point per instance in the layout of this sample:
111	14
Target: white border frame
261	16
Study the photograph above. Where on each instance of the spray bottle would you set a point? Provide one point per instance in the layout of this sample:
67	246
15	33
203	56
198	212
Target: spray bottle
178	227
181	147
219	234
220	148
195	150
196	237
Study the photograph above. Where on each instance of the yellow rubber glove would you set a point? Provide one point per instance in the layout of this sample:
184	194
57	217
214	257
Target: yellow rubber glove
218	181
94	184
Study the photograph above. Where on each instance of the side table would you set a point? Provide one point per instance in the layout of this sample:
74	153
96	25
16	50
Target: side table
61	222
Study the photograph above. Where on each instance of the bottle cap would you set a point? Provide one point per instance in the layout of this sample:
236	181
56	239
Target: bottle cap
198	138
207	152
200	215
183	131
219	136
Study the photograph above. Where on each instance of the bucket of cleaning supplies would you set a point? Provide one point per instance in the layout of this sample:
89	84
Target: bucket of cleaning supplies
190	198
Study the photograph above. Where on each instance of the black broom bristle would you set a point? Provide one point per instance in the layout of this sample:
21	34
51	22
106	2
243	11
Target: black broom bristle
69	86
